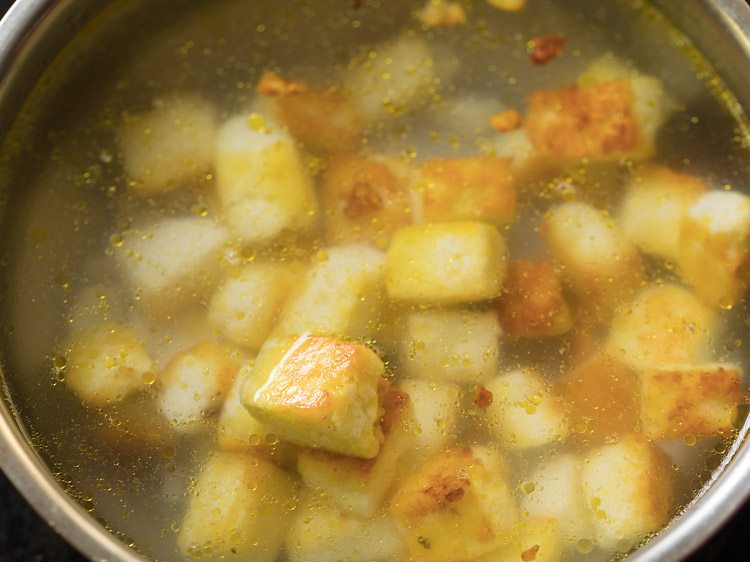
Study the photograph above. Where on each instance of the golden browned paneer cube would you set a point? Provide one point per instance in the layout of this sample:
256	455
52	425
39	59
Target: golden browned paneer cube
319	392
532	540
508	5
361	485
715	245
690	400
446	263
365	198
106	364
456	506
629	486
435	408
532	304
239	509
477	188
663	325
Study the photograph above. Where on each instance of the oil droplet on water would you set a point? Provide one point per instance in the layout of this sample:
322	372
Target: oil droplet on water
116	240
725	303
585	546
527	487
690	440
59	362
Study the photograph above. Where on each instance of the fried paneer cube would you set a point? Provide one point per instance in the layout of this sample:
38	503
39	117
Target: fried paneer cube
629	486
319	392
473	188
435	414
532	304
663	325
524	413
457	346
533	539
365	198
690	400
446	263
239	508
456	506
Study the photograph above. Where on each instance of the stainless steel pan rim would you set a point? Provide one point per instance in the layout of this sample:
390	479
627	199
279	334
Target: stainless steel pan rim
727	28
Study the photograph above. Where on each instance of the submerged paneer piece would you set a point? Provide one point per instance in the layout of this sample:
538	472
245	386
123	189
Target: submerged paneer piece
629	486
365	198
239	508
690	400
457	346
456	506
106	364
715	246
135	425
261	180
524	413
532	540
434	415
195	382
319	392
663	325
533	305
361	485
653	207
170	145
478	188
446	263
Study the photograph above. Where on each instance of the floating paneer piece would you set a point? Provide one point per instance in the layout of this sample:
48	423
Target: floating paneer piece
695	400
457	346
441	13
653	207
599	262
446	263
194	384
532	540
169	146
361	485
435	414
239	508
249	301
365	198
261	180
456	506
341	295
715	245
663	325
508	5
524	412
533	304
319	392
474	188
629	486
106	364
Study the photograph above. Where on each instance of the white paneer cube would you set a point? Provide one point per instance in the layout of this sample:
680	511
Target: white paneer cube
173	262
715	245
446	263
261	180
451	345
106	364
629	486
524	413
508	5
663	325
239	508
537	540
169	146
435	410
195	382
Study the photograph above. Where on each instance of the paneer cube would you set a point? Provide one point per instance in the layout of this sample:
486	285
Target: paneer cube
663	325
248	303
446	263
536	540
365	199
508	5
629	486
653	207
477	188
261	180
456	346
106	364
169	146
441	13
239	508
715	246
435	416
318	392
524	413
695	400
456	506
195	382
533	305
361	485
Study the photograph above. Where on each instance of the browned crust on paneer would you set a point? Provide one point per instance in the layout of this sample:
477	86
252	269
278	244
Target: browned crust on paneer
544	48
482	397
658	489
506	121
529	555
273	84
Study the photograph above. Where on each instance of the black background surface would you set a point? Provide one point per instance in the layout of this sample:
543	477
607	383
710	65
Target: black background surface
25	537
